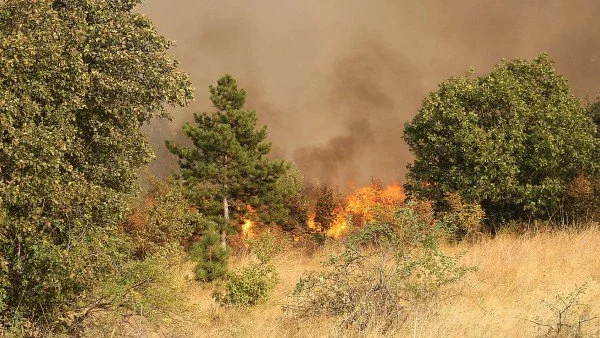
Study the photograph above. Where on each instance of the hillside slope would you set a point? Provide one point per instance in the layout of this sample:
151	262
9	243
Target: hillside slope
516	279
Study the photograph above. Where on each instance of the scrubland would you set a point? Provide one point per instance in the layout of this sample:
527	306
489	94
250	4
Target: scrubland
517	281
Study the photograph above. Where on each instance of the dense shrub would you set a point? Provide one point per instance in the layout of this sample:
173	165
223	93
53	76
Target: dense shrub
511	141
326	204
389	266
162	217
253	283
463	220
152	290
594	112
581	201
267	245
248	285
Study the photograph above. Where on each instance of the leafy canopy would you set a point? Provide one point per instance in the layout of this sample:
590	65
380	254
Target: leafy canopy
511	140
229	157
78	78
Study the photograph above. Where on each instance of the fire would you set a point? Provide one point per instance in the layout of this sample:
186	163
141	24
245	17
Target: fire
361	207
311	222
248	223
246	227
365	201
339	226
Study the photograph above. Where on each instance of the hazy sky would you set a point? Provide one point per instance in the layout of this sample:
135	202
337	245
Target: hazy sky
335	80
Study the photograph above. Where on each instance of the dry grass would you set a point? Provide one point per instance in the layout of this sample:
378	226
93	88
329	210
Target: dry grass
515	275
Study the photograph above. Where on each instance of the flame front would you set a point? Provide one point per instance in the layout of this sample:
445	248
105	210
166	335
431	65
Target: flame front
339	225
361	207
366	201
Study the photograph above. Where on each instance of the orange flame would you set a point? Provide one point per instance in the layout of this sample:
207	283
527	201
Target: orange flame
339	226
361	207
311	222
246	227
248	224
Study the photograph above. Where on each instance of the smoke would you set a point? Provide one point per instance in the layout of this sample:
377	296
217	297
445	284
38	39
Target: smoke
335	80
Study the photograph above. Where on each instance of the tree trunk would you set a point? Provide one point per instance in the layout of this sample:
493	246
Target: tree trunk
226	216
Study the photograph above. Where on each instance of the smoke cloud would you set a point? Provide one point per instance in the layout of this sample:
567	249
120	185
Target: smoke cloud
335	80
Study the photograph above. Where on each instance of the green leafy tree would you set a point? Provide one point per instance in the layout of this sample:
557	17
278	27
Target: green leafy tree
511	140
594	112
292	214
78	78
227	168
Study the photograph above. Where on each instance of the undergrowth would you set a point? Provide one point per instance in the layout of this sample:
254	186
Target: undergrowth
388	268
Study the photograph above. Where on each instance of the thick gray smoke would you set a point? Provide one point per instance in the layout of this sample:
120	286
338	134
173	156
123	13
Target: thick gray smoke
335	80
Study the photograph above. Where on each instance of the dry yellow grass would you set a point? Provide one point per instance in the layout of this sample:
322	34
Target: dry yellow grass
515	275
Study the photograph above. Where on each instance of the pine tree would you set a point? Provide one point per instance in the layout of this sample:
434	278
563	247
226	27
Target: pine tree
227	167
210	256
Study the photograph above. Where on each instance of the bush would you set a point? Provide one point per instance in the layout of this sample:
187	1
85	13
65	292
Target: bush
253	283
582	200
57	279
510	141
570	317
593	110
391	265
152	290
325	207
292	213
463	220
266	246
162	217
210	255
249	285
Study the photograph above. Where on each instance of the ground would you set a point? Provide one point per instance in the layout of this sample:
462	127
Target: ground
516	277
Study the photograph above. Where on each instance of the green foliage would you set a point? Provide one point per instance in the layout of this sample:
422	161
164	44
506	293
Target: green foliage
594	112
388	268
228	159
163	217
293	211
151	288
249	285
266	246
511	140
324	208
77	81
210	255
463	220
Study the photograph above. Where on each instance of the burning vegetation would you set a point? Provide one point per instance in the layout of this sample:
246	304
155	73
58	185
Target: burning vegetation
248	225
334	218
79	243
